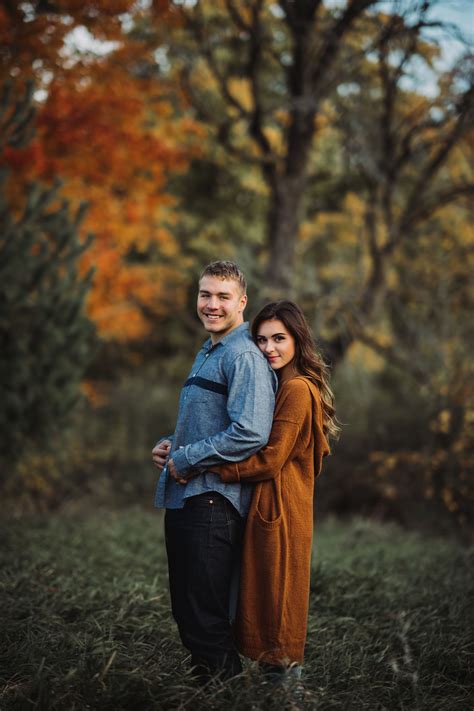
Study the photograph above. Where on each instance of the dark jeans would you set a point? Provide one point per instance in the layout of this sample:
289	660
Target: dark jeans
203	542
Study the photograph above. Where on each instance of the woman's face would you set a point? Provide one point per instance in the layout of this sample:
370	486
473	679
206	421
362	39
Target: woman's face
276	343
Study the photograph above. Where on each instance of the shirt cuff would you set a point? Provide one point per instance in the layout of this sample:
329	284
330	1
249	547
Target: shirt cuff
181	462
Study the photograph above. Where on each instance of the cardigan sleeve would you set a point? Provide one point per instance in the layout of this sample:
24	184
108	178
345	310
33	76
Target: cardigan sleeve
269	461
293	407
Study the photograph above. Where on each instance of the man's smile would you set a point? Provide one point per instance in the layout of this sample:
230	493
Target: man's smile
213	317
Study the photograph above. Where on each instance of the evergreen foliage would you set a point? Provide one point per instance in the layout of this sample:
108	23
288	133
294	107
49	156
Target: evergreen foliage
46	340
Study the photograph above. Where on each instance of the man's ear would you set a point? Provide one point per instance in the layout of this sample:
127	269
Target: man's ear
243	301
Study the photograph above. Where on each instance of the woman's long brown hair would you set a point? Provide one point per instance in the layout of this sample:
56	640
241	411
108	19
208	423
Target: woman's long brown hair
308	361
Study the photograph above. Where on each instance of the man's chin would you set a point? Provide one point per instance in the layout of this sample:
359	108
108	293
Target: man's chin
213	325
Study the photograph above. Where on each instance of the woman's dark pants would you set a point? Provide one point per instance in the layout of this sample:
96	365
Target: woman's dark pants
203	543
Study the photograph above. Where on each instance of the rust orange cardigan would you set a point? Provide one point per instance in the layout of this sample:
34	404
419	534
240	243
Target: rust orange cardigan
275	577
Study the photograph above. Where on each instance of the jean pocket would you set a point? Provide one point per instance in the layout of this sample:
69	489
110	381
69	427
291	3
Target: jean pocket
199	501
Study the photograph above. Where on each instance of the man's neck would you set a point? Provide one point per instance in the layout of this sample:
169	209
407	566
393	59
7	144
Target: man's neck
216	337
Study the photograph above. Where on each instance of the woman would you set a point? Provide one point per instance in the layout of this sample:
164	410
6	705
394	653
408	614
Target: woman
276	561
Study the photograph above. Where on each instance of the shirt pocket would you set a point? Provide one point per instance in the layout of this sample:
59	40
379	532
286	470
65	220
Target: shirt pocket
206	411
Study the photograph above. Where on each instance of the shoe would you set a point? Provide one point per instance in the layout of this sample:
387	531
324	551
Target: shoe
286	676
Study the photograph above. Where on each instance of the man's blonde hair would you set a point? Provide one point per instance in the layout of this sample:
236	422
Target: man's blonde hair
226	270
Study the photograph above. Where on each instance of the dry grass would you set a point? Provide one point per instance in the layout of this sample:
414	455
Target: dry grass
86	624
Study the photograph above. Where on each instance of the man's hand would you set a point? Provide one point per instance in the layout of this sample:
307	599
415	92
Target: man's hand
160	453
172	471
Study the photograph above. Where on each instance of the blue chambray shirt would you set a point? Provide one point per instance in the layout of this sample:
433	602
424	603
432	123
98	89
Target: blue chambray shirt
225	415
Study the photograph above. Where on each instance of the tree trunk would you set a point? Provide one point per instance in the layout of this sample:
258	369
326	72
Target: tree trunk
284	215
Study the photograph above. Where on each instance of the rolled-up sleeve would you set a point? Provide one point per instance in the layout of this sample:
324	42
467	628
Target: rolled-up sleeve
250	405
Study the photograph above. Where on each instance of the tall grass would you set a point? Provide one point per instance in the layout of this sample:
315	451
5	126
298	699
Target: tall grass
86	624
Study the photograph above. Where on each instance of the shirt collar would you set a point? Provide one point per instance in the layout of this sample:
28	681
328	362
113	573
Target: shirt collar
243	328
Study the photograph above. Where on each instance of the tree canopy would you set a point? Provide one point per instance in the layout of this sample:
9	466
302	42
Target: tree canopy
300	137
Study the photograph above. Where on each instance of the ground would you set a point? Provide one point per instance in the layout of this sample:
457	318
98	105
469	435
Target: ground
85	619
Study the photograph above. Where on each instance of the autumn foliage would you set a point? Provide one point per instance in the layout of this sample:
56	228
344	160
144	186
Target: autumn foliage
113	134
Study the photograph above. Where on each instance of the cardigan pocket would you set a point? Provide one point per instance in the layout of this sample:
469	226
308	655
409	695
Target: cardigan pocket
269	506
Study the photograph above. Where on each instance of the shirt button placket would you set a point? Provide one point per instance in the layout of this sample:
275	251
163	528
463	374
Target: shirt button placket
193	375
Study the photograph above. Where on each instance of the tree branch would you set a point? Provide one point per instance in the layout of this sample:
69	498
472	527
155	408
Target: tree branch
196	28
354	9
441	199
463	122
376	277
255	51
391	355
237	18
223	128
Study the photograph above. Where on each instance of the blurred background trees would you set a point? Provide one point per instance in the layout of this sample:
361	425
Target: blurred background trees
46	341
326	147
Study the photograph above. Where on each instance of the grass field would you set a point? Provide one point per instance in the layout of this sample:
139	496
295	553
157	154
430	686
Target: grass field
84	614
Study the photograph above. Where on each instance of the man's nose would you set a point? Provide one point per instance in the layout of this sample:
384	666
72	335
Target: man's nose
213	303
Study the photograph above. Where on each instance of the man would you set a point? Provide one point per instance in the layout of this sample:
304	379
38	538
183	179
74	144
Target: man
225	415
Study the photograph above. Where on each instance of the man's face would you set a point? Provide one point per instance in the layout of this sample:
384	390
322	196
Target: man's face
220	306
